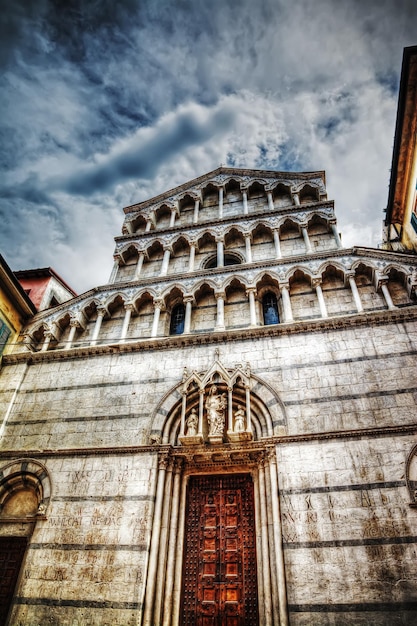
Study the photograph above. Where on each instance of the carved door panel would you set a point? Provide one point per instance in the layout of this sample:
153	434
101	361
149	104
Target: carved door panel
219	569
12	550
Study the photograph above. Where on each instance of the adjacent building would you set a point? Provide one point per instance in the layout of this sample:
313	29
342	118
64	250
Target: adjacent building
400	225
15	307
224	434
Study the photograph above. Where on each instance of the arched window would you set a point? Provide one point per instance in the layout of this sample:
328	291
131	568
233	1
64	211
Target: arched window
230	258
177	320
270	308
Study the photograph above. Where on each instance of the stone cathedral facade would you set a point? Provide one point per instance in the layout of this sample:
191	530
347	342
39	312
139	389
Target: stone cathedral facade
224	434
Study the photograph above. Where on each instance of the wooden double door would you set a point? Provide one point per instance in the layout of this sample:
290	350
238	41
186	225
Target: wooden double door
219	565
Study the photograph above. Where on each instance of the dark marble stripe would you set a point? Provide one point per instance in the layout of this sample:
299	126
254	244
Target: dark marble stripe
346	543
87	604
356	487
354	607
89	546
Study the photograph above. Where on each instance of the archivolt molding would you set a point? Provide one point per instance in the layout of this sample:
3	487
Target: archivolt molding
244	390
411	475
22	474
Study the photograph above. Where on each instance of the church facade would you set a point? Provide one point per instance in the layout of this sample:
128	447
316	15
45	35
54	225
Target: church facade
224	434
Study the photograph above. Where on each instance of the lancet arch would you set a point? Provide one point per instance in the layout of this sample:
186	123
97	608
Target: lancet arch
27	476
240	390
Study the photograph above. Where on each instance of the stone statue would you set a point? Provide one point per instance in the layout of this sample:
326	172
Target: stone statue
215	406
239	420
192	423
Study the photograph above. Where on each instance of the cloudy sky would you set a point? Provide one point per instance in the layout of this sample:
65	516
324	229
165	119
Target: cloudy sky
105	103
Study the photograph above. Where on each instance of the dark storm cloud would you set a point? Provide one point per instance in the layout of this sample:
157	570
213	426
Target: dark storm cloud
155	148
150	93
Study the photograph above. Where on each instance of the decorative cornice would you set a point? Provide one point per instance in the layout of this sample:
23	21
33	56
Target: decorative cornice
374	318
244	268
291	209
249	448
226	172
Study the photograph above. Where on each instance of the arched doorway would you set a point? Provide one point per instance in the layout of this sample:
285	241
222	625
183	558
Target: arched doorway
24	497
216	514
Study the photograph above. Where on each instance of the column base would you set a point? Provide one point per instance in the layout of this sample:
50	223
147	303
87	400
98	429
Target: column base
240	436
192	440
215	439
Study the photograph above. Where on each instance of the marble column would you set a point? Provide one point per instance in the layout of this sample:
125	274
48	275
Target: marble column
248	410
266	574
220	310
48	336
296	198
220	251
154	548
165	261
191	259
286	301
355	293
148	225
114	271
322	304
129	308
250	292
163	544
101	312
306	239
172	544
336	235
74	324
188	300
172	218
248	247
196	211
139	265
278	543
245	201
387	295
156	315
220	203
277	243
270	200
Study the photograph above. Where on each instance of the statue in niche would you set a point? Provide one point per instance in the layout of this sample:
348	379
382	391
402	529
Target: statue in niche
239	421
192	423
215	406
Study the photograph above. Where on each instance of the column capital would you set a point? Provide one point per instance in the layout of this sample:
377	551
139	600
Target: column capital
129	306
189	297
247	234
101	311
284	285
219	238
219	294
167	247
75	323
163	462
158	303
316	281
251	290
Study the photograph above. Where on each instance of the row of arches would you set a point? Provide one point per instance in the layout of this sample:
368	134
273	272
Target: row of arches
236	303
260	242
218	200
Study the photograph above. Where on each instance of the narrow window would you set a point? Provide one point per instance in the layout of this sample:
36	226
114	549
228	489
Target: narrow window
270	308
5	333
177	320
